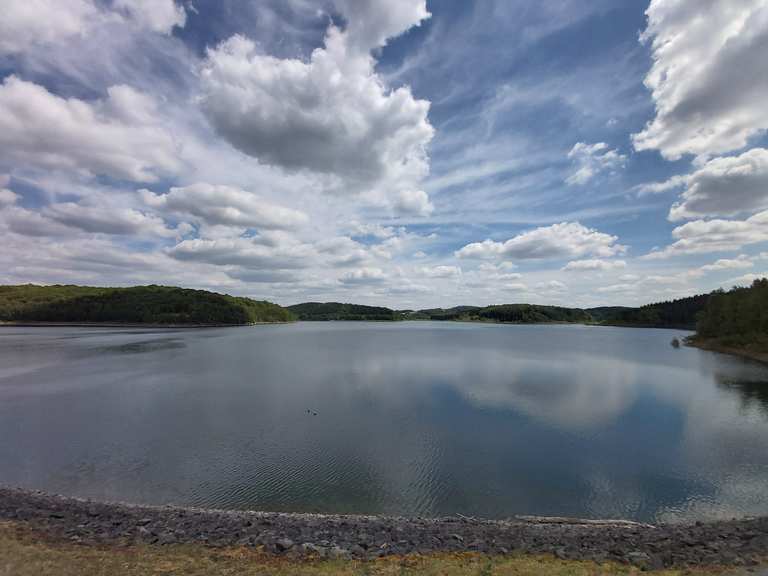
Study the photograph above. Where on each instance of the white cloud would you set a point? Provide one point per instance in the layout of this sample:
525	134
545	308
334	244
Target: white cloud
552	286
364	276
156	15
26	24
95	214
344	251
331	115
514	287
709	76
595	265
591	160
103	218
6	196
659	187
372	229
224	206
412	202
246	252
440	271
725	187
703	236
742	261
564	240
371	22
119	136
746	279
616	288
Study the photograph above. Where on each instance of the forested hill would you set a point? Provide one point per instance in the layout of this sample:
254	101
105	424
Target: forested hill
510	313
675	314
680	313
736	319
338	311
136	305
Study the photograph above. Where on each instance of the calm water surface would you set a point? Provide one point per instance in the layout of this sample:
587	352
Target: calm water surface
412	418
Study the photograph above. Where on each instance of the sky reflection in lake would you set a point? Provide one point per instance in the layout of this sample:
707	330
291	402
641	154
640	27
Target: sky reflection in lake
412	418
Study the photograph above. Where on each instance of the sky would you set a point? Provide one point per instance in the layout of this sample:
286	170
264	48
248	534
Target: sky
406	153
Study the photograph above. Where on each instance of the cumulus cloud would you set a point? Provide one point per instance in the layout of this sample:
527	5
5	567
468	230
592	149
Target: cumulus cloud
563	240
103	218
709	76
156	15
364	276
742	261
332	116
29	23
594	264
96	215
343	251
6	196
617	288
224	206
591	160
514	287
746	279
371	22
412	202
703	236
725	187
119	136
552	286
440	271
246	252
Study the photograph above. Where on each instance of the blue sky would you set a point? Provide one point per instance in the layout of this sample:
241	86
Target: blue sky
400	152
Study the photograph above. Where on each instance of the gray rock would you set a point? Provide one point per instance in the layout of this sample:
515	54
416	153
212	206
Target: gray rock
167	538
284	544
638	558
338	552
731	542
309	548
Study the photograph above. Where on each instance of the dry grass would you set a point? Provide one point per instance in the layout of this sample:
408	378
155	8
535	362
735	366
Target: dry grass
22	553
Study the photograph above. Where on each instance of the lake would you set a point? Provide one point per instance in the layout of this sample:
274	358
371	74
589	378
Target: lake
408	418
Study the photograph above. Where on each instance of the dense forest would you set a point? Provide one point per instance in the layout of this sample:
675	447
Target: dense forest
736	319
511	313
139	304
680	313
673	314
312	311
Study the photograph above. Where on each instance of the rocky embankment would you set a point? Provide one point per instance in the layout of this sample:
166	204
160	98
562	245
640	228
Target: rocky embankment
729	543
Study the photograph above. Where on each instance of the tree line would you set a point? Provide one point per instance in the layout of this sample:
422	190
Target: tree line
135	305
737	318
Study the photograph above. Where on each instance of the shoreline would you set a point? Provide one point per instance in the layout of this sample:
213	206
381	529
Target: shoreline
714	346
152	325
59	518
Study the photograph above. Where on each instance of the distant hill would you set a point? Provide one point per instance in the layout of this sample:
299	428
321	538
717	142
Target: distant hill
674	314
507	313
319	311
455	313
136	305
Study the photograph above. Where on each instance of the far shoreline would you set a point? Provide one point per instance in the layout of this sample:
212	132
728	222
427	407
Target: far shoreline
714	346
128	325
